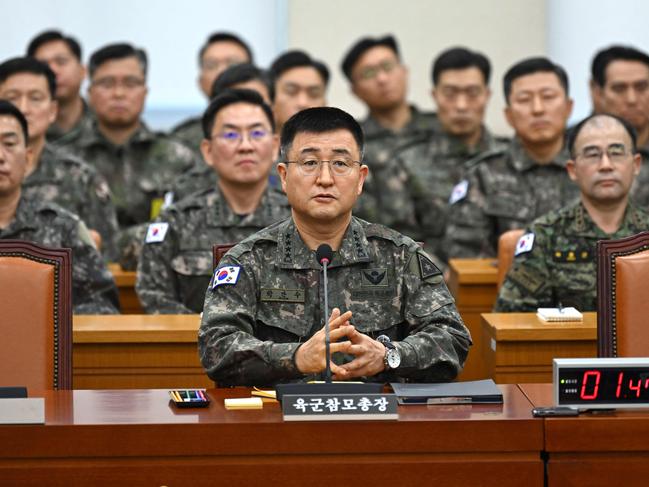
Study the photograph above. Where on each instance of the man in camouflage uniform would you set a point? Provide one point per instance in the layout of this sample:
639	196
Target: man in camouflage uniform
63	55
53	174
620	86
378	79
555	260
139	165
26	218
509	188
262	320
415	199
220	51
176	261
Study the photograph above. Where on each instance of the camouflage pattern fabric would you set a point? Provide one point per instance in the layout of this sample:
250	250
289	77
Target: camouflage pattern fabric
93	288
505	190
252	327
173	274
640	189
190	133
76	186
560	267
58	136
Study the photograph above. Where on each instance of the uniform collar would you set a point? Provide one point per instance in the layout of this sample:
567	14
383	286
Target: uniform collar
522	161
419	122
458	147
221	215
585	226
93	136
45	167
23	219
292	252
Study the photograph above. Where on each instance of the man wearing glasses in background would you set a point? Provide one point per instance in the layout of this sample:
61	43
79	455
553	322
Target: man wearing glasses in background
240	145
139	165
555	259
392	316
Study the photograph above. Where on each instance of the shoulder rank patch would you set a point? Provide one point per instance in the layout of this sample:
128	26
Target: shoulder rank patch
572	256
459	191
525	244
226	275
156	232
426	267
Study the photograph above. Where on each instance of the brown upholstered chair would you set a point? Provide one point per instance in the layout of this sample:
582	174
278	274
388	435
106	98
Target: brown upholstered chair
506	247
218	251
36	309
623	296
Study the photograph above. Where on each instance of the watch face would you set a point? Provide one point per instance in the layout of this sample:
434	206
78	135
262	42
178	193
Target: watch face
393	358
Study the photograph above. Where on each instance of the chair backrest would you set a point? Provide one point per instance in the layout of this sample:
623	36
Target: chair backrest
218	251
36	310
623	296
506	248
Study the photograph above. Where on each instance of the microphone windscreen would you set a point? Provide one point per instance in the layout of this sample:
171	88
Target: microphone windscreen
324	253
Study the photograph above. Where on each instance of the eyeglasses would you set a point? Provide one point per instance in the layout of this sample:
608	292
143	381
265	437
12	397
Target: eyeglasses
310	166
110	83
617	154
234	138
452	92
370	72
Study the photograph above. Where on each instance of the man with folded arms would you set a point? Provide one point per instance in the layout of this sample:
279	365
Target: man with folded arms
392	316
556	257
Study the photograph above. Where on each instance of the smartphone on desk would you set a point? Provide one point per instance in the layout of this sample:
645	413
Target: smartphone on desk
189	398
554	411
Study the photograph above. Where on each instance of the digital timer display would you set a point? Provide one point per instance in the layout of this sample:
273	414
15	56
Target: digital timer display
601	383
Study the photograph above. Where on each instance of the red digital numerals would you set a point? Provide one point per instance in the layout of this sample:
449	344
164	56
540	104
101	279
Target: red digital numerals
590	384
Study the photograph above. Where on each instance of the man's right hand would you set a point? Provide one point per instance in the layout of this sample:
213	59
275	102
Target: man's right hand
310	356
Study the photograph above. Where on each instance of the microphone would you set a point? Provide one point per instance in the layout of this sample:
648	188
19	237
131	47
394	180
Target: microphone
324	255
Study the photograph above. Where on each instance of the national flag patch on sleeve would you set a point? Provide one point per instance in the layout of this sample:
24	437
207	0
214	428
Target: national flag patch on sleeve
459	191
156	232
226	275
525	244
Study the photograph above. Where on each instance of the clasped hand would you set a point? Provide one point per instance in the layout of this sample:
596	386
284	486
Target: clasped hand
368	361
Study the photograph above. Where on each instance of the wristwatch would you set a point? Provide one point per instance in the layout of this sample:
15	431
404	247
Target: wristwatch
392	357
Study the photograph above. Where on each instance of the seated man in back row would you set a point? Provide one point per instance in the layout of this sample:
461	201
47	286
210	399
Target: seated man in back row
33	219
393	317
554	263
240	145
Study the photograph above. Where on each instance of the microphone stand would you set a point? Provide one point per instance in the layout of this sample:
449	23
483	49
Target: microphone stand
325	263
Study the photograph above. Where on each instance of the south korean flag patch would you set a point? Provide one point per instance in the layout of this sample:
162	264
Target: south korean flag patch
525	244
226	275
459	191
156	232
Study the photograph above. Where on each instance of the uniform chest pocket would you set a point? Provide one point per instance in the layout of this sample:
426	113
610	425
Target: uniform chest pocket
282	322
381	315
193	263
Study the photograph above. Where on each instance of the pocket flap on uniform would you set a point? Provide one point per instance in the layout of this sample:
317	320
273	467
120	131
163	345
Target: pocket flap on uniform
196	263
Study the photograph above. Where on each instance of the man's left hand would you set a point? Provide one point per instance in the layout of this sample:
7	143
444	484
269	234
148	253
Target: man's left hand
369	356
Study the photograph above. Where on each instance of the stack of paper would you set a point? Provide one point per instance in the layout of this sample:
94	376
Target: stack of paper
559	314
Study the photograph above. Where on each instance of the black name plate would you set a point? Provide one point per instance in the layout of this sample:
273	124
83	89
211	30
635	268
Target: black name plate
339	407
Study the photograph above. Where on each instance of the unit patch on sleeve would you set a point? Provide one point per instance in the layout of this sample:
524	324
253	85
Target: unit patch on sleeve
226	275
525	244
156	232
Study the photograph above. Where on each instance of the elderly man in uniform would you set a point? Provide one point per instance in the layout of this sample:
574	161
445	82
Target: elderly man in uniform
556	257
508	188
239	144
25	217
263	320
53	174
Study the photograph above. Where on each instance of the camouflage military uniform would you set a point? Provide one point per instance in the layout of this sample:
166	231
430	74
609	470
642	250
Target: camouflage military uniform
640	189
45	223
251	328
190	133
197	179
76	186
57	135
415	199
173	274
380	145
504	190
560	267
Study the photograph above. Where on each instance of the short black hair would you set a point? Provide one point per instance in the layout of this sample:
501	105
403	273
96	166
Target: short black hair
224	37
460	58
19	65
116	51
241	73
319	120
8	108
297	59
229	97
576	130
530	66
614	53
362	45
51	36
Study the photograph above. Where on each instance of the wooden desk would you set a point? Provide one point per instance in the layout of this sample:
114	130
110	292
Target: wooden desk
108	438
518	347
594	449
136	351
125	281
473	284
